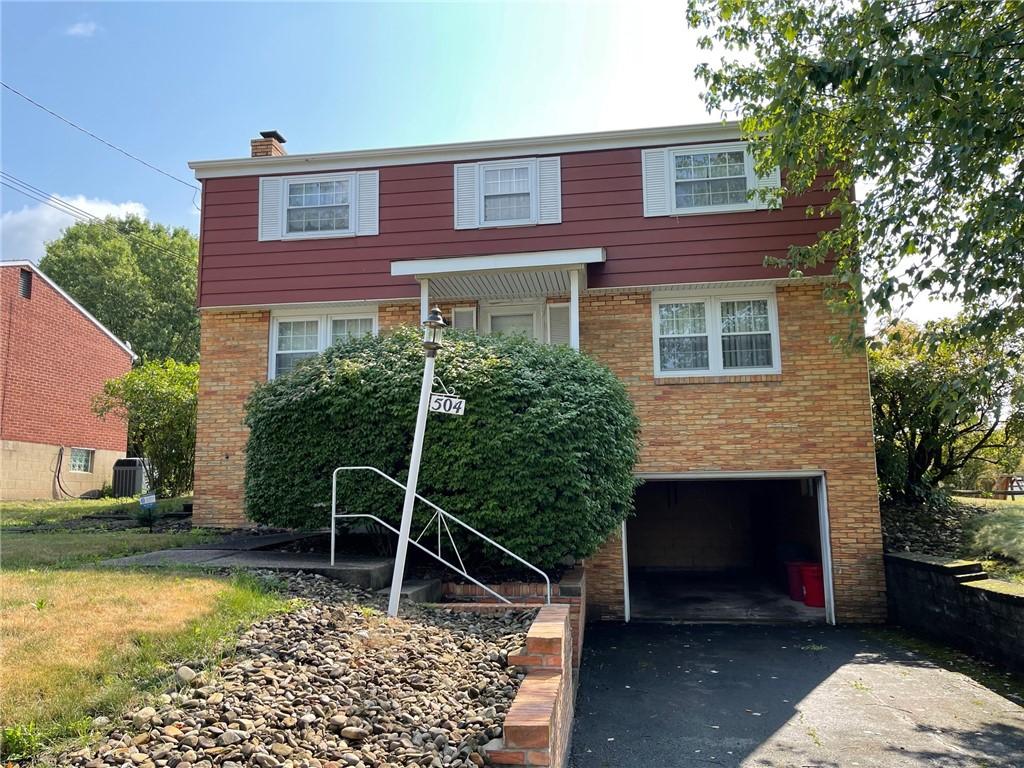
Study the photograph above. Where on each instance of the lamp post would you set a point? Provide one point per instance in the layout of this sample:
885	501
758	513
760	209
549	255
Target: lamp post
433	329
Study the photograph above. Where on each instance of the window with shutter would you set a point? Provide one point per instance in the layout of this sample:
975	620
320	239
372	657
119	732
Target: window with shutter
558	324
707	178
318	205
508	193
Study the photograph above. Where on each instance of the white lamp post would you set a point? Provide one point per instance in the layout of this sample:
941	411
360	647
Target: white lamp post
433	329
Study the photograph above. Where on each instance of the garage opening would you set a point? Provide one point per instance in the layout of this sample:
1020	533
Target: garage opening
727	551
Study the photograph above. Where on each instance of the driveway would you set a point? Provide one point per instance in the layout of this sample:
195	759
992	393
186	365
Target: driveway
663	696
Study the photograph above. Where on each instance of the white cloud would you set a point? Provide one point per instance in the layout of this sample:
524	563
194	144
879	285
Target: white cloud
24	233
82	29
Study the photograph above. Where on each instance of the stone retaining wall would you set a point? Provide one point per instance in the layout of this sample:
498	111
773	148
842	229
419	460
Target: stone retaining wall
955	602
570	590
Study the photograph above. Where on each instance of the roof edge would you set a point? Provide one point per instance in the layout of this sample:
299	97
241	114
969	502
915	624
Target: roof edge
469	150
88	315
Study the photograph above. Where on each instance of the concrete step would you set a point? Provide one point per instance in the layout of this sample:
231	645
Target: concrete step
418	590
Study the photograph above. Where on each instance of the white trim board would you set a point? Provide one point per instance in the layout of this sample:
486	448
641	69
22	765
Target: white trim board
573	258
466	151
72	302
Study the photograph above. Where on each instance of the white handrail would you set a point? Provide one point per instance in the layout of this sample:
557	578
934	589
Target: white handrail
444	517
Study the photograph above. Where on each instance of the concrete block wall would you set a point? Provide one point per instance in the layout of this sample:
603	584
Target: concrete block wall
27	471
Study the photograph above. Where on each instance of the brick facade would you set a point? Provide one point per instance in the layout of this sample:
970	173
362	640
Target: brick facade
815	415
41	410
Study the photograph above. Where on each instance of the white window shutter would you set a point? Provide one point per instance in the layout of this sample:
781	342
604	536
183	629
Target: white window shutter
467	201
772	181
368	206
655	171
558	324
271	212
549	185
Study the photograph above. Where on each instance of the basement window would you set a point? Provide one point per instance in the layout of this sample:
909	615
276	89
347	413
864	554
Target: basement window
25	284
82	459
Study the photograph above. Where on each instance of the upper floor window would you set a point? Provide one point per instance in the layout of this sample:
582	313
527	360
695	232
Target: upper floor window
319	205
507	193
707	178
295	338
699	335
25	284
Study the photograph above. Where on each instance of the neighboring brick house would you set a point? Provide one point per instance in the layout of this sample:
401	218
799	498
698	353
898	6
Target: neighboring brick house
641	248
54	359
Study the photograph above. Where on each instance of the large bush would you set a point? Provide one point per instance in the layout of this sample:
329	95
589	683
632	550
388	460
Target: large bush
542	460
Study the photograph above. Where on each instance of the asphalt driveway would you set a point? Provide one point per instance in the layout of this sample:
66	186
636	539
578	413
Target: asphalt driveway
662	696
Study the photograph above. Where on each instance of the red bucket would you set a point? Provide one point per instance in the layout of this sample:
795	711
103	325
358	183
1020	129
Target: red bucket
814	585
796	583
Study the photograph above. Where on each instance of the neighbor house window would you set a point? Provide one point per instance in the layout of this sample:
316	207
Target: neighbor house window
319	207
464	318
716	335
293	339
507	194
81	459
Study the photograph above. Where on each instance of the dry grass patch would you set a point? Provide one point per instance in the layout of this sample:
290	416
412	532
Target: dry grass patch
79	643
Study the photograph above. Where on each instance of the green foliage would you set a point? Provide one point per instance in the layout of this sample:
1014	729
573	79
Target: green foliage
922	103
19	742
938	409
999	533
542	460
145	296
158	402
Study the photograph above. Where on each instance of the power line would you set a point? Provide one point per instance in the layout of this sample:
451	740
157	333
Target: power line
87	132
34	193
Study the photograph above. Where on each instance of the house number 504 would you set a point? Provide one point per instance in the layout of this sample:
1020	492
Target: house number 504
455	406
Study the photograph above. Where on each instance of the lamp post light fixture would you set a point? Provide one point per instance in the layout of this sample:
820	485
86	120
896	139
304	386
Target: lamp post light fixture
433	330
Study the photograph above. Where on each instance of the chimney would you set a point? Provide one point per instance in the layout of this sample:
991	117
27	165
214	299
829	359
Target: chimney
270	144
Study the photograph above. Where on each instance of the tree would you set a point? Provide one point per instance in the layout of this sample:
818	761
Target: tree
541	461
922	99
158	402
137	278
937	410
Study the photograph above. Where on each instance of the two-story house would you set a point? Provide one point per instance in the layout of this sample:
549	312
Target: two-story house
644	249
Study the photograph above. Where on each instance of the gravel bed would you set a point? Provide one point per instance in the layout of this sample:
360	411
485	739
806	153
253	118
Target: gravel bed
332	684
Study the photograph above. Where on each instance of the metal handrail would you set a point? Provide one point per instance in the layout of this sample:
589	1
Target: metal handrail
444	517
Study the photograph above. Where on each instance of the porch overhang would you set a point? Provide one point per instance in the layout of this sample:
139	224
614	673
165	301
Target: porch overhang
501	276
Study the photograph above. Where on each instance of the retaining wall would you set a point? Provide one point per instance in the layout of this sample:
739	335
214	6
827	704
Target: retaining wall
954	602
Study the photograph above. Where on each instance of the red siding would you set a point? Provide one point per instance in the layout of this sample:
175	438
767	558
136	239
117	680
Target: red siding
602	206
53	361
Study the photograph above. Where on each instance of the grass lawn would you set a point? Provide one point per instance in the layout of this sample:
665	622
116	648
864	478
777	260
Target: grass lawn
998	537
27	513
75	644
62	549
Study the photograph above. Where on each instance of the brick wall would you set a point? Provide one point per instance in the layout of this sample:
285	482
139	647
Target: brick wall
53	361
234	346
538	726
815	415
233	359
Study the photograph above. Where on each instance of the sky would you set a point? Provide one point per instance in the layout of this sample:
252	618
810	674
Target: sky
173	82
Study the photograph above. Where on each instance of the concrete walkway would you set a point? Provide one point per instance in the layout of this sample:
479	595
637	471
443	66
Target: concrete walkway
674	696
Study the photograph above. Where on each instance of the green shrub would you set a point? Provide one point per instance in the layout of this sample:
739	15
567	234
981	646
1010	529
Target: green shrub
542	460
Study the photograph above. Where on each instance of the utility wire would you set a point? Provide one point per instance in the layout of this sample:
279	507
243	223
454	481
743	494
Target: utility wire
116	148
26	189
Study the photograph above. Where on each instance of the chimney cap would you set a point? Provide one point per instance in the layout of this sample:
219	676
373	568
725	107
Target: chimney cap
273	135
